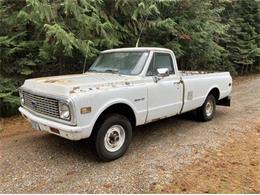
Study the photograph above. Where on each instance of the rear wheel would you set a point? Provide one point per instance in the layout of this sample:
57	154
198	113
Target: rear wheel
113	137
207	111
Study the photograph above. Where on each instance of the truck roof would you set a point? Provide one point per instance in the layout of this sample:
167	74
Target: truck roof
136	49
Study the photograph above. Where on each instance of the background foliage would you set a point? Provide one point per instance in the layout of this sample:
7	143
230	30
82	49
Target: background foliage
51	37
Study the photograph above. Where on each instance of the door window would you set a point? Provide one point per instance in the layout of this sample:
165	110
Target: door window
160	60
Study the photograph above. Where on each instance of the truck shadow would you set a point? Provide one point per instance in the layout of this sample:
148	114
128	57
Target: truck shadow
73	150
144	135
171	121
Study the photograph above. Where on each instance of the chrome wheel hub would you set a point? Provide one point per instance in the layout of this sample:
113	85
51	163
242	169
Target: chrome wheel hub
209	108
114	138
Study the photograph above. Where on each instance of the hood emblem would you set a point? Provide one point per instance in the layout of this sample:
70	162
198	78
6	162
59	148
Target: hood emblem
34	104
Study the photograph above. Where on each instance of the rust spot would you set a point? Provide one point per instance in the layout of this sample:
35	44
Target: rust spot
156	119
74	89
60	81
50	81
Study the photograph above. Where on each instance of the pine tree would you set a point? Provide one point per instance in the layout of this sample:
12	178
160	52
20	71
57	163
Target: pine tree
243	41
15	55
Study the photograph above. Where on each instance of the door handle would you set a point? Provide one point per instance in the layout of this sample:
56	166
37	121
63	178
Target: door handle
177	83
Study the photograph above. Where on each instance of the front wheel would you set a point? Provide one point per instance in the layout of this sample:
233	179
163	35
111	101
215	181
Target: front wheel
113	137
207	111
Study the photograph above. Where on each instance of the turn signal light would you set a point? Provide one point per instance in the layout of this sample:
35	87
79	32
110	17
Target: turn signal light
85	110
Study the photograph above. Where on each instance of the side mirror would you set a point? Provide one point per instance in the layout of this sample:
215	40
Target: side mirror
163	72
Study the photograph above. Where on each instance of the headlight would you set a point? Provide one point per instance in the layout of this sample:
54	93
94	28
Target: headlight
64	110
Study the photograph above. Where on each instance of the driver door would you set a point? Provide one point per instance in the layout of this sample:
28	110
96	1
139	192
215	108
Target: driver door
164	96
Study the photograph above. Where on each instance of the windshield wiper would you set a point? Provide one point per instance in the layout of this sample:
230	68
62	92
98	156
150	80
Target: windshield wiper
92	71
112	70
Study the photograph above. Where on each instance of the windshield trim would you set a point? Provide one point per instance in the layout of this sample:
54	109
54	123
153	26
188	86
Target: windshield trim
143	51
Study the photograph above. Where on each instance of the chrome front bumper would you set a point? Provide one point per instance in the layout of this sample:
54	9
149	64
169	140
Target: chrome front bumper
62	130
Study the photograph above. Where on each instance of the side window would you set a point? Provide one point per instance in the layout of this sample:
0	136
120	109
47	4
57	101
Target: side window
160	60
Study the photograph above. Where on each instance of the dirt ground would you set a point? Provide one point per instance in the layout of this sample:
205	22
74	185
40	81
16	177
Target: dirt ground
235	168
177	154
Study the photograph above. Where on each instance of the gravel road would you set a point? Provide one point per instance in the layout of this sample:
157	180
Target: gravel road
37	162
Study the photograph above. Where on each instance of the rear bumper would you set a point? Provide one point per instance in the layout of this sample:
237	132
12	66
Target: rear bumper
225	101
62	130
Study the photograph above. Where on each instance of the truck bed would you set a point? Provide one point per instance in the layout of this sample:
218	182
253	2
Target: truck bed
201	73
198	84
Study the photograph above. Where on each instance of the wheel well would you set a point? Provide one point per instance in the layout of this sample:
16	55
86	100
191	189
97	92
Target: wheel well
215	93
119	108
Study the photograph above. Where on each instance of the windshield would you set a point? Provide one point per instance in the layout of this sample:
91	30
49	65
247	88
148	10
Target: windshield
129	63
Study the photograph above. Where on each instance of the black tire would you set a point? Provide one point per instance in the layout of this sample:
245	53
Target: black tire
202	114
102	128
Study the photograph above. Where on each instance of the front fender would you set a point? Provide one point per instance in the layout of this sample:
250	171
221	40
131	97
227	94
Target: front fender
111	103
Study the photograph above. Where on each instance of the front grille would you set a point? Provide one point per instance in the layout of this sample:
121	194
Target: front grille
42	105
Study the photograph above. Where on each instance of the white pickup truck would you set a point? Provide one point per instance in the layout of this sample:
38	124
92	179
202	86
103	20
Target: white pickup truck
124	88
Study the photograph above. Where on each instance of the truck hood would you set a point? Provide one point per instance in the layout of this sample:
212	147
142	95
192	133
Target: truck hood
70	84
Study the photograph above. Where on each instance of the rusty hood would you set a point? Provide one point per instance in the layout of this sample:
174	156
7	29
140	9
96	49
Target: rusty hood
71	84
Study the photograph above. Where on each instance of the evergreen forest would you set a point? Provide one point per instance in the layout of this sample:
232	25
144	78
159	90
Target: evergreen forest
54	37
